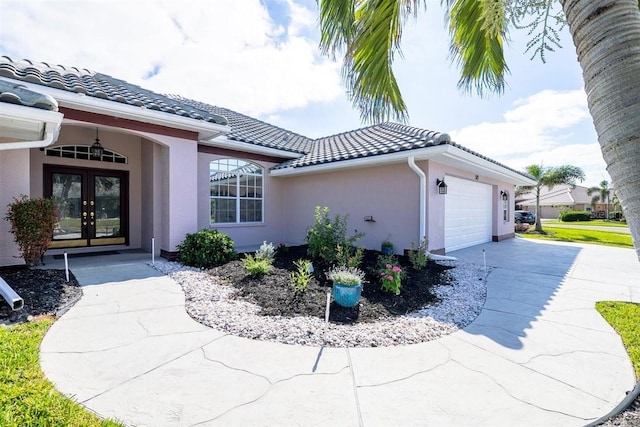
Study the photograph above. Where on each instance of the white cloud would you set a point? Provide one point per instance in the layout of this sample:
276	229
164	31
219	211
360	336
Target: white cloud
545	128
227	53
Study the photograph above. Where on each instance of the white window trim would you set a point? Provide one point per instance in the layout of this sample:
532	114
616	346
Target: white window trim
238	198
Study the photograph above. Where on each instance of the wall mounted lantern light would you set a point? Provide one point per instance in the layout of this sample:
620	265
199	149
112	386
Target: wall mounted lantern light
96	149
504	195
442	187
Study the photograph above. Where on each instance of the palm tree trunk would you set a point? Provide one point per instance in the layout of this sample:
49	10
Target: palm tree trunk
606	34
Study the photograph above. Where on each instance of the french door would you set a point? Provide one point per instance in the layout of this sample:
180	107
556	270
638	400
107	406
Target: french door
92	206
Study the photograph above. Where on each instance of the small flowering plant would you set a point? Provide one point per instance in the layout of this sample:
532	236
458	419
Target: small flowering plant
391	278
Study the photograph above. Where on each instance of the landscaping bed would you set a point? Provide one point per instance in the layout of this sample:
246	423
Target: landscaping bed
274	294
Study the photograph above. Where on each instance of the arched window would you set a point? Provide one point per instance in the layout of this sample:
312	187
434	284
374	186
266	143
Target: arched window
83	152
236	191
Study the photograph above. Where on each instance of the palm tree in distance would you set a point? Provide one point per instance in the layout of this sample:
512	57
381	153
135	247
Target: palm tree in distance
549	177
602	195
605	33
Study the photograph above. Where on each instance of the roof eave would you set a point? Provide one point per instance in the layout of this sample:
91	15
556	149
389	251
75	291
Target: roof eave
78	101
223	142
443	153
457	157
27	127
361	162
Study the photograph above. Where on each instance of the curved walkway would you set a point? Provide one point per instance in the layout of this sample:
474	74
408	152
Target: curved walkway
538	354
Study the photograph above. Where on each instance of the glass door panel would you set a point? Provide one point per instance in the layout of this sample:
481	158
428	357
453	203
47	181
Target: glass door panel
67	191
107	213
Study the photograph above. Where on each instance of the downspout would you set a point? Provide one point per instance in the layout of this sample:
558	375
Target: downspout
423	217
10	296
423	194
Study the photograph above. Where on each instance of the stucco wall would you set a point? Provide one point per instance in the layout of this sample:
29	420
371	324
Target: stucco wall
245	236
14	181
388	193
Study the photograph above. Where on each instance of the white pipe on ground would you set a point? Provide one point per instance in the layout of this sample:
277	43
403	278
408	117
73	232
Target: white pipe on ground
10	296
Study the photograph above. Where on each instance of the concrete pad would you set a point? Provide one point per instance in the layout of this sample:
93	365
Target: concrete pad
452	395
305	400
538	354
274	361
182	392
86	374
376	366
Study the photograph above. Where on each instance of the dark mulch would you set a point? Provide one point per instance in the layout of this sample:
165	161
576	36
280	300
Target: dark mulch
45	292
274	294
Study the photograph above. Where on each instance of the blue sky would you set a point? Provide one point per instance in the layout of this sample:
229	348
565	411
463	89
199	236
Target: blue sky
261	58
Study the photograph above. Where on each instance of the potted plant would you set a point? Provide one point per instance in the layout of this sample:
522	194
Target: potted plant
386	247
347	285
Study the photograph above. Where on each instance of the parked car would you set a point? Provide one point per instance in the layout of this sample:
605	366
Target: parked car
524	217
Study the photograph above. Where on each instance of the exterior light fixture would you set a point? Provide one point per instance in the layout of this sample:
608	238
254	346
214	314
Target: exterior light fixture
96	149
442	187
505	195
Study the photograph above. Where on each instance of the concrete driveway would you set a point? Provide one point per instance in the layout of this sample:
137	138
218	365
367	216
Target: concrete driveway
537	355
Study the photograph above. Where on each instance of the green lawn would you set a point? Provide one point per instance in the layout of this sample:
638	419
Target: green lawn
598	222
27	398
608	238
624	317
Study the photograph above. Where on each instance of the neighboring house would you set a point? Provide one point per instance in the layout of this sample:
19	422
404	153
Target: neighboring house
560	198
168	166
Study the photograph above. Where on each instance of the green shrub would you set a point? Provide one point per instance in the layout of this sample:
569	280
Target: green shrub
572	216
301	276
266	251
256	266
32	224
348	256
205	249
326	235
418	256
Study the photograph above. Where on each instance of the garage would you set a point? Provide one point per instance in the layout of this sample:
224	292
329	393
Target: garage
468	213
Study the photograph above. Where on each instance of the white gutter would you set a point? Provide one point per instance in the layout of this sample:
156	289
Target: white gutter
423	196
82	102
27	127
224	142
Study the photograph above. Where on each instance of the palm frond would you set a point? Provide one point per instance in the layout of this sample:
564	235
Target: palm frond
369	32
337	19
477	29
369	76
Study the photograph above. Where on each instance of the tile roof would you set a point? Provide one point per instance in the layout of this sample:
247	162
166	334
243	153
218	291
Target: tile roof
14	93
562	194
254	131
376	140
80	80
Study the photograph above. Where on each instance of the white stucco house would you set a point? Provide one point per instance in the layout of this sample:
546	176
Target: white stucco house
170	166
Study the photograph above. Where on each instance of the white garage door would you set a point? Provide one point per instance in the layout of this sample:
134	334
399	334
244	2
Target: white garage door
467	219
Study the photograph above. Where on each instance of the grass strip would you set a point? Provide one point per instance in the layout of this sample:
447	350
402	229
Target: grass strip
607	238
624	317
27	398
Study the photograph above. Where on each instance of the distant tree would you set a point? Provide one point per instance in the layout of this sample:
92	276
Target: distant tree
602	195
549	177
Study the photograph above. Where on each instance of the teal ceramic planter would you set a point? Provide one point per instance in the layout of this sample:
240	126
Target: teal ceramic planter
346	296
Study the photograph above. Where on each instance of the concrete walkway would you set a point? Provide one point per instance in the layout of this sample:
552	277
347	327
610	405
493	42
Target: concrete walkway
538	354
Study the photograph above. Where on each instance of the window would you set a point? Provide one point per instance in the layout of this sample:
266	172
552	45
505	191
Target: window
235	189
82	152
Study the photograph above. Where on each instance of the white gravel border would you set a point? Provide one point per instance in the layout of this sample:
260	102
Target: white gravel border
209	301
